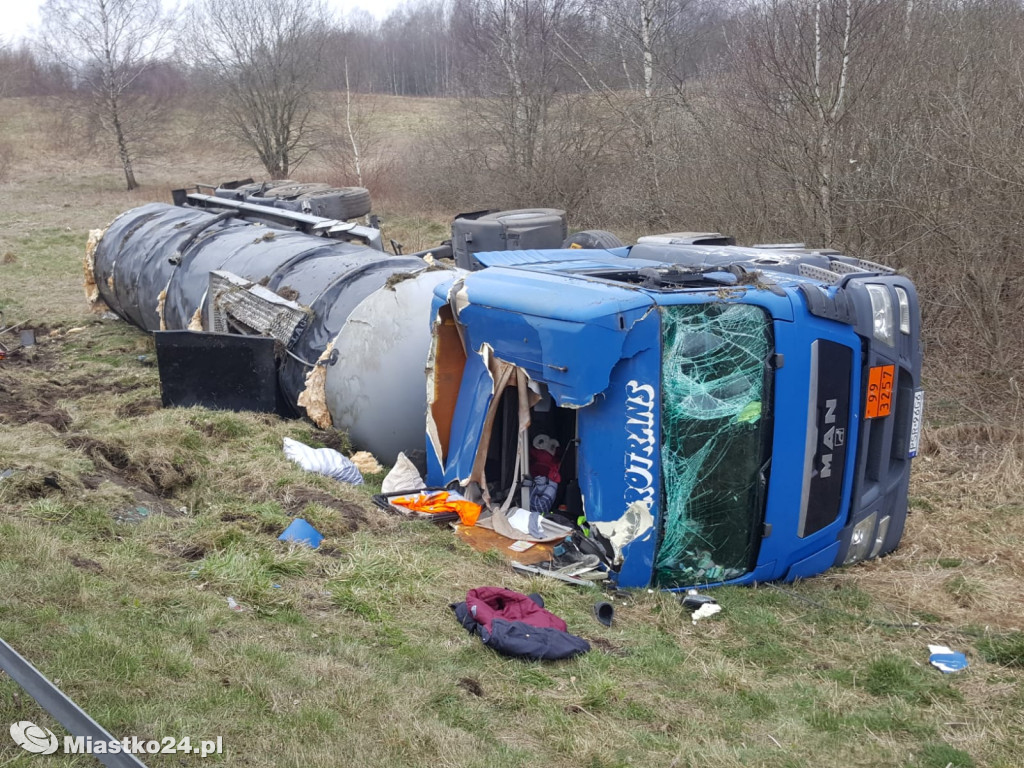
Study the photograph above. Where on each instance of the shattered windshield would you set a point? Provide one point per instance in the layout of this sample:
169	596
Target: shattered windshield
714	384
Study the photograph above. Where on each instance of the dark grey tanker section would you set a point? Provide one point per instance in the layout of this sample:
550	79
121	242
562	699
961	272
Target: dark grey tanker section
132	261
164	267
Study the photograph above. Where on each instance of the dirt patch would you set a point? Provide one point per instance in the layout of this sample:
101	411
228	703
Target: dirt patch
85	564
350	516
251	522
151	478
606	646
137	408
22	403
28	485
192	552
330	438
470	685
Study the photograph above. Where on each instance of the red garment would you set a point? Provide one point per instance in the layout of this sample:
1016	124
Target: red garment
486	604
544	464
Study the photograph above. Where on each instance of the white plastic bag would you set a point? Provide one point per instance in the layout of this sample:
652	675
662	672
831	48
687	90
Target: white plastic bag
403	477
323	461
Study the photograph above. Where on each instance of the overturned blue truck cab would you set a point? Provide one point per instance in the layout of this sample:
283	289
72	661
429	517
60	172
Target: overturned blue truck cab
722	414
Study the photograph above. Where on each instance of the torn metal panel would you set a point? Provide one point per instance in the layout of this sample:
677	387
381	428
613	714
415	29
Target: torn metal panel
636	524
619	464
474	400
234	299
446	361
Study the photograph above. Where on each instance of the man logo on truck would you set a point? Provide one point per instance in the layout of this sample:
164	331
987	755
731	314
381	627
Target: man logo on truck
833	437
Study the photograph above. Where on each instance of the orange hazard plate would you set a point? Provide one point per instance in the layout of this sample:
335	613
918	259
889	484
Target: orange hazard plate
879	399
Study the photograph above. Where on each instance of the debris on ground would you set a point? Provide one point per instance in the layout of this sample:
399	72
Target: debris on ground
440	503
299	531
517	625
403	477
366	463
946	660
486	540
323	461
234	606
135	514
534	570
604	612
708	609
693	600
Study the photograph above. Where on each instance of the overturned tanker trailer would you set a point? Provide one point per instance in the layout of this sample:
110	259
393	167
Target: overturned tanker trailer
701	413
350	321
215	264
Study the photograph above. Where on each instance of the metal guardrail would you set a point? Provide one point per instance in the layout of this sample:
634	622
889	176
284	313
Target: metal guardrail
61	707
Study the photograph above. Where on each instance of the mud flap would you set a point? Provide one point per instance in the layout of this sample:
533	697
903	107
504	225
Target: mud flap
223	371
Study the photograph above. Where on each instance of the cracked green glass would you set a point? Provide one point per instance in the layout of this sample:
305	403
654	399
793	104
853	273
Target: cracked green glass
713	386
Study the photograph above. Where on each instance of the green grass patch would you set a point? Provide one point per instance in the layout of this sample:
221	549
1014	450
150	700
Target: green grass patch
1004	650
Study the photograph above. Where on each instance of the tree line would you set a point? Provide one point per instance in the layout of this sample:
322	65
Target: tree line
891	129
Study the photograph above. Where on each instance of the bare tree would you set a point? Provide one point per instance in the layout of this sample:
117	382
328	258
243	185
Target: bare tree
108	45
803	68
264	61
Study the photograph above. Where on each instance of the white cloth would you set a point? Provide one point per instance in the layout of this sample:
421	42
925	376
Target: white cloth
403	477
323	461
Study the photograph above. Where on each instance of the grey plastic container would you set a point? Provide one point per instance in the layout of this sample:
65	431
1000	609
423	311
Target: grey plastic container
526	229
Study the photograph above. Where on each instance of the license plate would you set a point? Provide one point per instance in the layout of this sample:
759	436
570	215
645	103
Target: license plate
879	395
915	423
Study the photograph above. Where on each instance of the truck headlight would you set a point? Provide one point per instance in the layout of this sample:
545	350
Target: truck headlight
882	319
883	531
904	301
860	539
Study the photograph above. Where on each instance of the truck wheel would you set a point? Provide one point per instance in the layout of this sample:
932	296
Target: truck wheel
333	202
354	201
593	238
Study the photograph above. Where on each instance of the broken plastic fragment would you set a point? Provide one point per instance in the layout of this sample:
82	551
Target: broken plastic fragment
946	659
234	606
637	521
301	532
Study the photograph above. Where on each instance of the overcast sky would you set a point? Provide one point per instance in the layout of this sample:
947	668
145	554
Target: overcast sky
18	17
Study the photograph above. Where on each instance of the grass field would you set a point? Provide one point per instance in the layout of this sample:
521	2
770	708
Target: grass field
125	528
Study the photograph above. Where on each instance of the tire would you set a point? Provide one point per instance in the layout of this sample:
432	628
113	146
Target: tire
342	203
320	200
593	238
